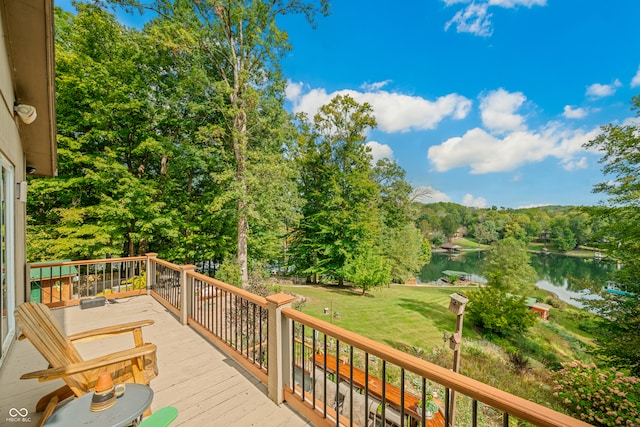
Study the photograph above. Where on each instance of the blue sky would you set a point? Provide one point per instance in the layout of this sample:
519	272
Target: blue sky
484	102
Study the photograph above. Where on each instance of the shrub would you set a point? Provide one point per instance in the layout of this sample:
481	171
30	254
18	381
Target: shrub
367	269
229	272
519	362
588	326
498	313
600	397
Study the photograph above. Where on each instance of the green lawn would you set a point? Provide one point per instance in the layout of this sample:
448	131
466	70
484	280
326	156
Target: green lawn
398	316
470	244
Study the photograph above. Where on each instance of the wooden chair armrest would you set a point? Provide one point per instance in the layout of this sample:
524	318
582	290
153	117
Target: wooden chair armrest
107	331
88	365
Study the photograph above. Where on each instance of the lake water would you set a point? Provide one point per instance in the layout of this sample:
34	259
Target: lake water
556	273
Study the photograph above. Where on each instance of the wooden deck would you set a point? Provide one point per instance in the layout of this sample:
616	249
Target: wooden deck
207	387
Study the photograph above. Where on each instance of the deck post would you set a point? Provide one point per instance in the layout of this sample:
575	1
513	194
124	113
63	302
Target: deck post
151	268
279	350
185	287
27	284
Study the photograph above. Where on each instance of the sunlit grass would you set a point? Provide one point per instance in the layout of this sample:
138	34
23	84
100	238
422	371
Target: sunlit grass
398	315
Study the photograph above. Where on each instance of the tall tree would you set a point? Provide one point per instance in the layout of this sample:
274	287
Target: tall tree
339	214
508	266
243	43
619	332
104	200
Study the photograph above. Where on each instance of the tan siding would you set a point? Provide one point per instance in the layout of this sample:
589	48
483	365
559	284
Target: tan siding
11	149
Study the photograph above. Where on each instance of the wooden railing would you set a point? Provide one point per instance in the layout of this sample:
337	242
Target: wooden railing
61	283
230	317
413	377
330	375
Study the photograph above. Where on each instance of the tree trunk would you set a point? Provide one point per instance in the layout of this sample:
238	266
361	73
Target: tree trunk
243	227
240	152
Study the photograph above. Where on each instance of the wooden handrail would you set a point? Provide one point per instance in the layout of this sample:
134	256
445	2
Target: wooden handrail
168	264
253	298
93	261
506	402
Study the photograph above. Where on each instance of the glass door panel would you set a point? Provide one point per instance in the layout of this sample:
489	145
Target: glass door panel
7	274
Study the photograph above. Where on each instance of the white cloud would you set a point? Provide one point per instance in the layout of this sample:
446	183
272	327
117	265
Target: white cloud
631	121
293	90
514	3
636	79
379	151
598	90
428	194
498	109
573	165
372	87
534	205
474	202
474	19
574	113
452	2
485	153
394	112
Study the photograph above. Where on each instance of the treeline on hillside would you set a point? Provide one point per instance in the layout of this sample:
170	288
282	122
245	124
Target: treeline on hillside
562	228
174	139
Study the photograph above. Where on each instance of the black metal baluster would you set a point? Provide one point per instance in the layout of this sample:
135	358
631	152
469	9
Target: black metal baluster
324	389
366	387
350	385
474	413
293	358
312	369
302	359
338	383
446	406
401	397
254	333
423	403
384	392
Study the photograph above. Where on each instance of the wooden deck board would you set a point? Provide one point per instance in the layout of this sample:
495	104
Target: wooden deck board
207	387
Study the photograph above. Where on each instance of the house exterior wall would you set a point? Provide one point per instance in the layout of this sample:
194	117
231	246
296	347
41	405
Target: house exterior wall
13	156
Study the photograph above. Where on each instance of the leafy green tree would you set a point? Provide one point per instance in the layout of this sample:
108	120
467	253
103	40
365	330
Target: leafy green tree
367	270
339	215
243	44
561	233
516	231
104	200
508	267
486	232
580	226
499	308
449	226
394	194
406	251
619	324
499	313
517	227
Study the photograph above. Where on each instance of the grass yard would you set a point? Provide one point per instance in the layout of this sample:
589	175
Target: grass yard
470	244
399	316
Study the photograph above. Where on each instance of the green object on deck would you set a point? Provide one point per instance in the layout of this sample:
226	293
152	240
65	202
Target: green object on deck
36	293
160	418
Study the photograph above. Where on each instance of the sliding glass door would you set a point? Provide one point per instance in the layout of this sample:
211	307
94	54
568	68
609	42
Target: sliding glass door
7	250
